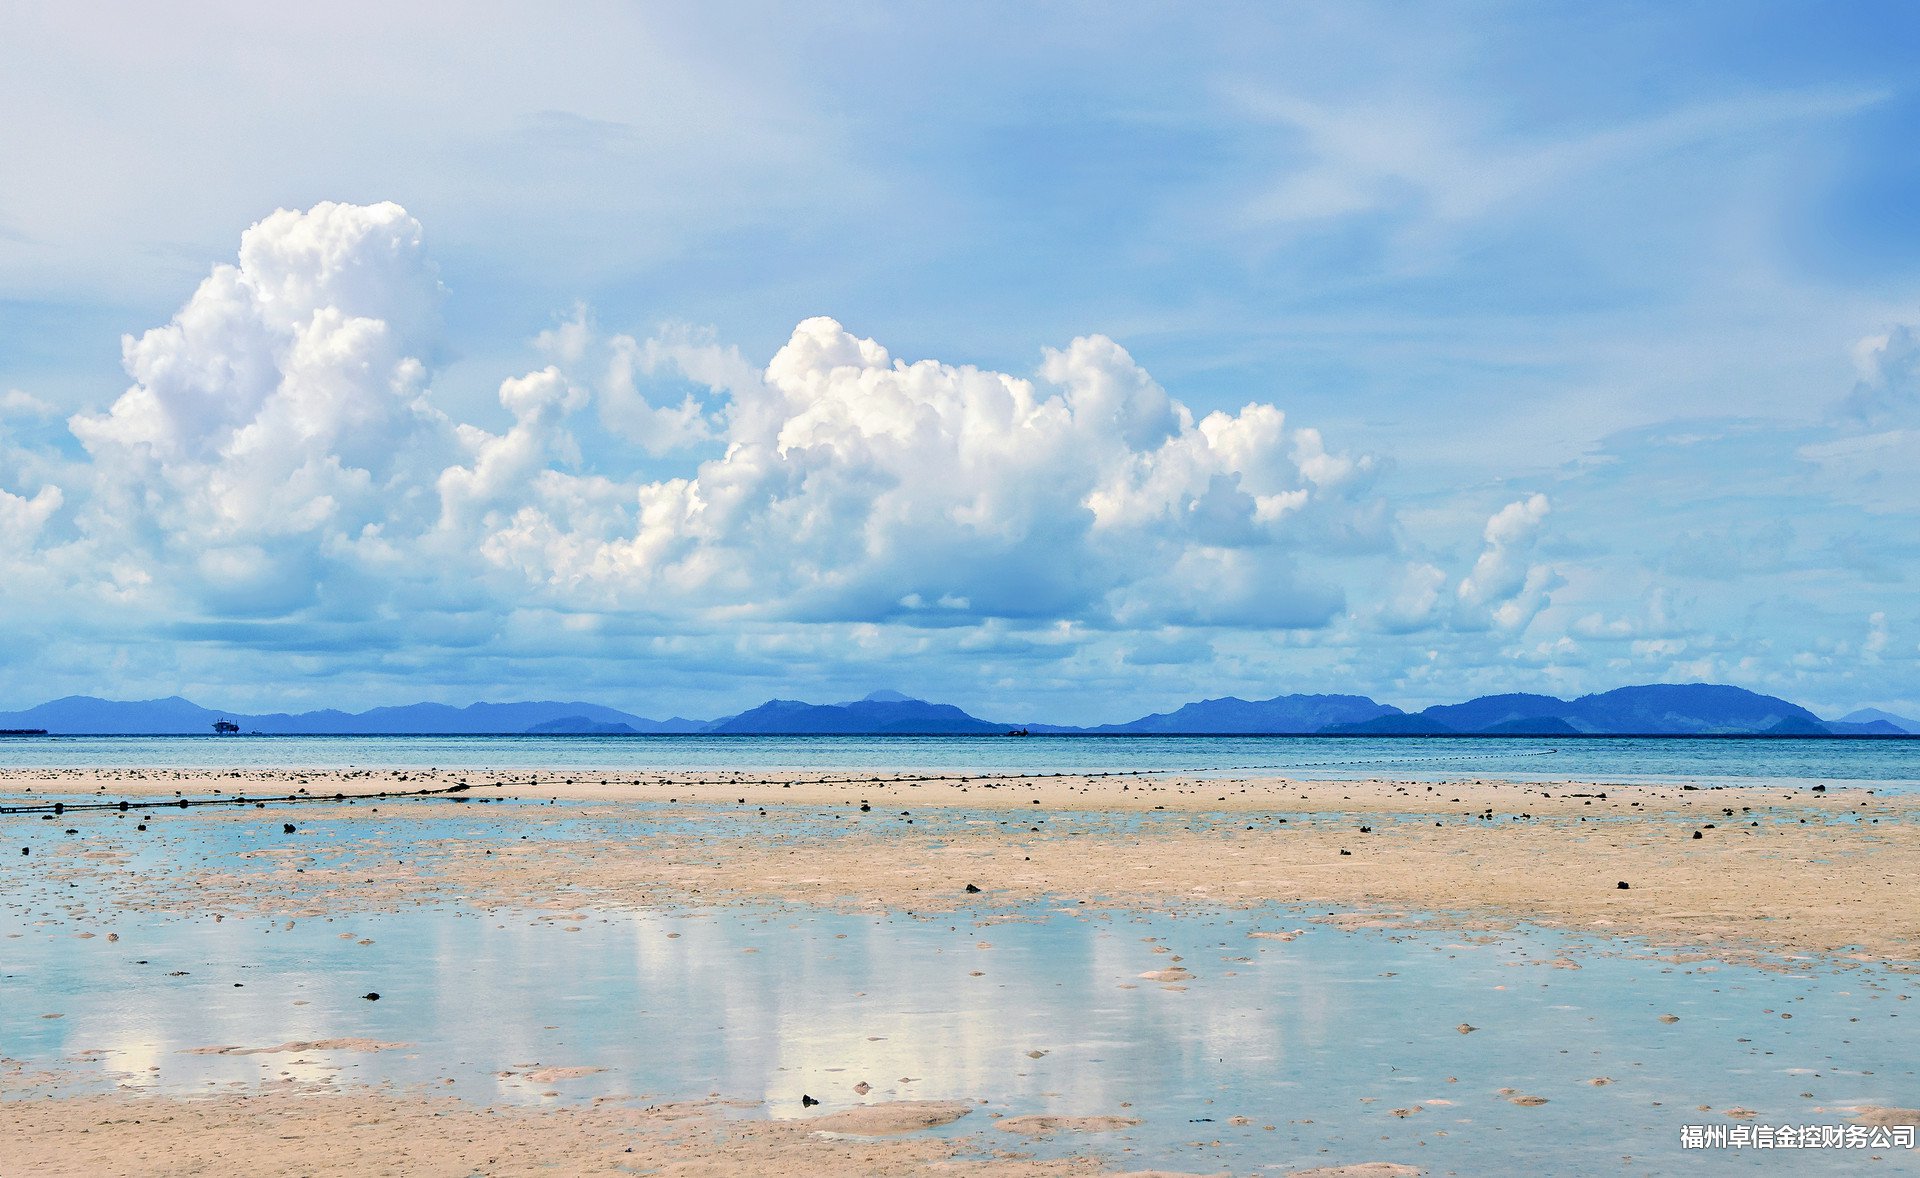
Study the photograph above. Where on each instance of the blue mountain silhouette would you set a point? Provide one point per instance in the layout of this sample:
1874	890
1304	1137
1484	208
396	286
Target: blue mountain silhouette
1659	709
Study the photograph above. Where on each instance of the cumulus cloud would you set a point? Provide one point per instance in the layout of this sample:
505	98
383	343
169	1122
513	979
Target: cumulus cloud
278	477
278	454
1505	588
1503	591
22	518
662	429
855	486
281	413
627	374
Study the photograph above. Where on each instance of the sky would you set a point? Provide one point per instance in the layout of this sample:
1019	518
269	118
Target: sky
1064	362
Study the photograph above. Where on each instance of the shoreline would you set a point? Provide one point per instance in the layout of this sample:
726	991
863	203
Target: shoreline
1773	870
1779	878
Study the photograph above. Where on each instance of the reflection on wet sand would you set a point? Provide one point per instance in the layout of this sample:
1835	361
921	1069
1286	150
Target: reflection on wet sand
383	960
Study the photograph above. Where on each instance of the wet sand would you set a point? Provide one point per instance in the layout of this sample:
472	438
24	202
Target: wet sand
1773	870
1775	873
302	1133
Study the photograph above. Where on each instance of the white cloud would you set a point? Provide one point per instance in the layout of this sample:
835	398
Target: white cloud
568	340
1417	599
853	486
280	413
278	479
22	518
19	403
662	429
1658	648
1505	589
278	455
502	469
1877	635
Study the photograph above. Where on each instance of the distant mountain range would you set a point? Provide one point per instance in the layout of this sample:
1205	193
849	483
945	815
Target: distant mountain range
861	716
1660	709
1240	717
85	714
1876	716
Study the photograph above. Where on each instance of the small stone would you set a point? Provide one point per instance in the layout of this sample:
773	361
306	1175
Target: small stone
973	889
1623	885
371	995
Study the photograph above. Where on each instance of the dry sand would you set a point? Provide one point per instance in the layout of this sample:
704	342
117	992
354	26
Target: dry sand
299	1132
890	1117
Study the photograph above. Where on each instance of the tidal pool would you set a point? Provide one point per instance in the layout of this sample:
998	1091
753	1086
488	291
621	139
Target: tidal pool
1281	1051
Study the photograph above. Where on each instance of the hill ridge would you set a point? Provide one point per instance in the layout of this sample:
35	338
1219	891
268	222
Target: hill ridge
1653	709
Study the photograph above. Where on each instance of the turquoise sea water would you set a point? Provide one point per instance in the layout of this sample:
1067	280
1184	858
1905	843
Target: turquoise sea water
1894	764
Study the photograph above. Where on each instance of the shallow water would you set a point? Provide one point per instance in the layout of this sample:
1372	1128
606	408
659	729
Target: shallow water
1322	1037
1888	764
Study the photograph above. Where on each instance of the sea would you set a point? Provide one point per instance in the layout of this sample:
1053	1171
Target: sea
1889	765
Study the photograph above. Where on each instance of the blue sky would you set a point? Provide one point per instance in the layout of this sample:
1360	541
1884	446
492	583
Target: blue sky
1246	349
